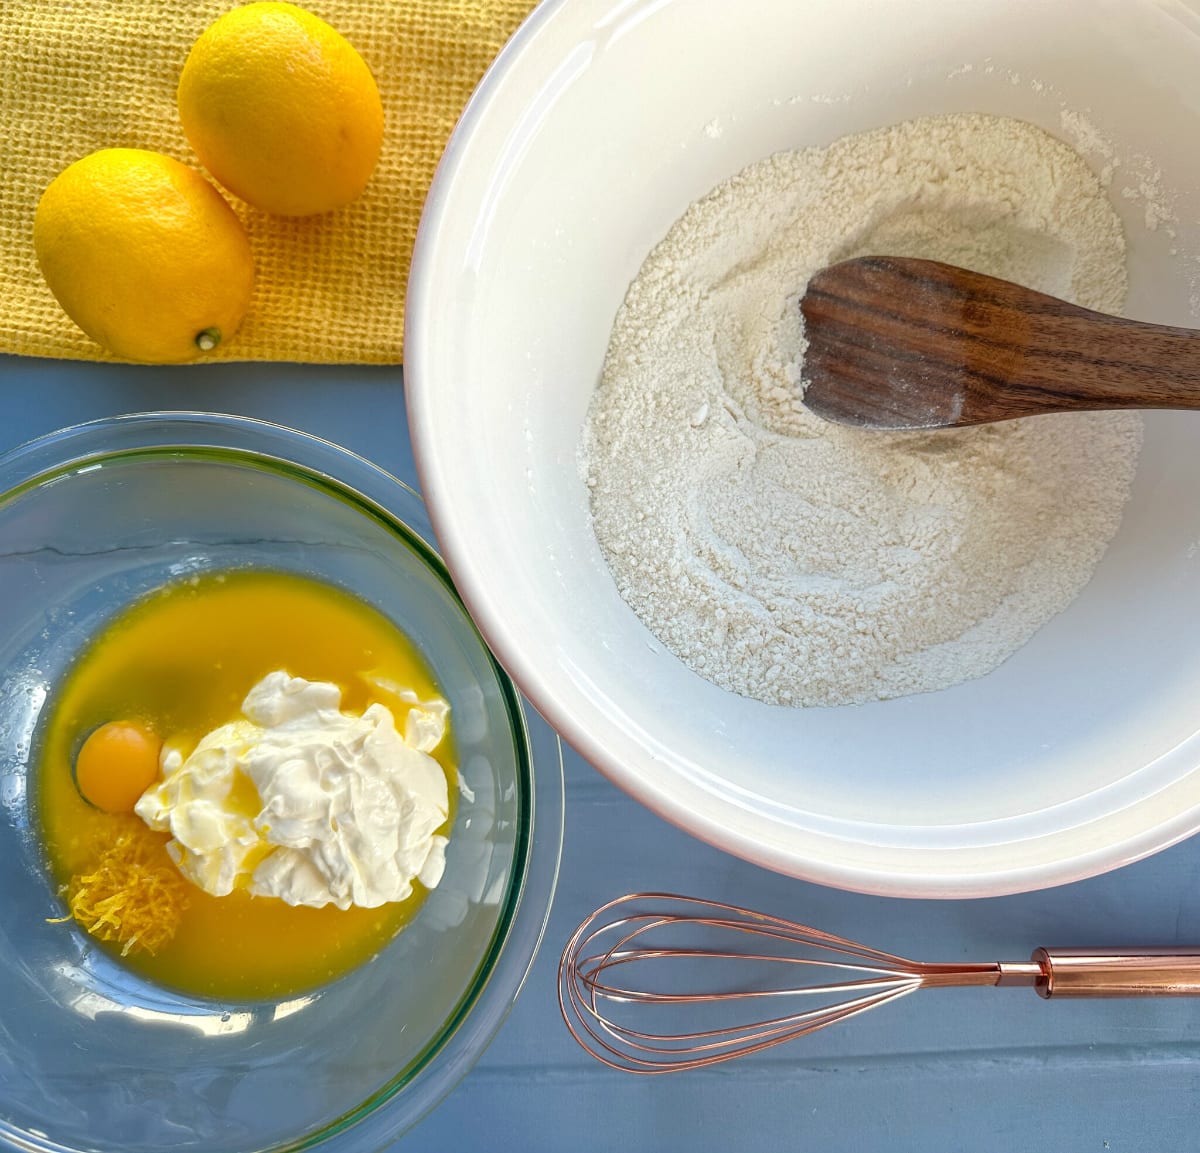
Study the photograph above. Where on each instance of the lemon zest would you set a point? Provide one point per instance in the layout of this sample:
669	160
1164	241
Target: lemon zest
132	896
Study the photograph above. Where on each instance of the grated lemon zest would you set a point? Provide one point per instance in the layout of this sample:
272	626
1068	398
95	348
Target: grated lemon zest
133	896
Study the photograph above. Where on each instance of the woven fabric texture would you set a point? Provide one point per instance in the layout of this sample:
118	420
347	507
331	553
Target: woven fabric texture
75	77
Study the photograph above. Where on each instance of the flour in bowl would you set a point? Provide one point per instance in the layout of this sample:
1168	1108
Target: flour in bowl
801	563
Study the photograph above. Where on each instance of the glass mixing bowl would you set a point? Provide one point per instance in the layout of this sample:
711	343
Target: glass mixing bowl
93	1057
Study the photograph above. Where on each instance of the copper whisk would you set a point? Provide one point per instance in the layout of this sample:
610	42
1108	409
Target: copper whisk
658	983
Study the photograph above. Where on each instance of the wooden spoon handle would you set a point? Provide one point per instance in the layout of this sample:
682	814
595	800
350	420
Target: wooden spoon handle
992	349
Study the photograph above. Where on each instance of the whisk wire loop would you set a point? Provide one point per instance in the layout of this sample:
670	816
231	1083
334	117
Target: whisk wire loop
588	970
593	1003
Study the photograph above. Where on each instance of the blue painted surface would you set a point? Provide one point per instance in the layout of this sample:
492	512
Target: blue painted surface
964	1070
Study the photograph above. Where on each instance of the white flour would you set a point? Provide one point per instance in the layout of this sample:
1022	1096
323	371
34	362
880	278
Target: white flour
805	564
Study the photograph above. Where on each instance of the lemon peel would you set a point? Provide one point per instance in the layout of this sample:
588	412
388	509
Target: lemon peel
133	896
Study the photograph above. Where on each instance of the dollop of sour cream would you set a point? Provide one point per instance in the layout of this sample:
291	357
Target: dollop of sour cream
304	802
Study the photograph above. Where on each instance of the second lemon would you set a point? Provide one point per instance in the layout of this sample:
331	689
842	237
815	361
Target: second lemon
281	109
144	255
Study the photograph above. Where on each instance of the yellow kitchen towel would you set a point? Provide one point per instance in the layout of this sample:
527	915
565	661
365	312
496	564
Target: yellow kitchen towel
78	76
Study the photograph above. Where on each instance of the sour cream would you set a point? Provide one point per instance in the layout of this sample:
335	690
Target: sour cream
304	802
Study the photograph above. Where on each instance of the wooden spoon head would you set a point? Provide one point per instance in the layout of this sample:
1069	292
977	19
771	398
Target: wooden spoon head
894	343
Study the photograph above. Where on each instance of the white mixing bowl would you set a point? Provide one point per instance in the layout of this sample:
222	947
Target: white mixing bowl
596	127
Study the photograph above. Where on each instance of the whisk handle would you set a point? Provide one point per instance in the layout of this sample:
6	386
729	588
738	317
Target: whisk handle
1121	973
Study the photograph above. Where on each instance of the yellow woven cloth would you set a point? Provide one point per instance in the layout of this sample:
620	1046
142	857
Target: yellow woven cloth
330	289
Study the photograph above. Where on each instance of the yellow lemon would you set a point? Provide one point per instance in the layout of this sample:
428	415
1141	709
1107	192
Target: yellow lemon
144	255
281	109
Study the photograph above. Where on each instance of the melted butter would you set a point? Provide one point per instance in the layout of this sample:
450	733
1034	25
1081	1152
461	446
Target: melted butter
243	797
181	661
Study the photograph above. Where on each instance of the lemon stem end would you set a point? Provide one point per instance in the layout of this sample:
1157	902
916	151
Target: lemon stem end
207	339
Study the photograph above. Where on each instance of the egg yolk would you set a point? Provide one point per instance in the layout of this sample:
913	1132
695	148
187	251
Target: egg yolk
116	764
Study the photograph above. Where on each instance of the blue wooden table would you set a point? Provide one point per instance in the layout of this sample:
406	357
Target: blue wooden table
962	1070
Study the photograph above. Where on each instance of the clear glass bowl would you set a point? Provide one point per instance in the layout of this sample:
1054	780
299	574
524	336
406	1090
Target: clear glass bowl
93	1057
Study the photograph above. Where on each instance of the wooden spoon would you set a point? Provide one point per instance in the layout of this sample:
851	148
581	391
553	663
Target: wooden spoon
896	343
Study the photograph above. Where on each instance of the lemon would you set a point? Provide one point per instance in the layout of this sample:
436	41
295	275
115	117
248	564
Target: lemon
144	255
281	109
